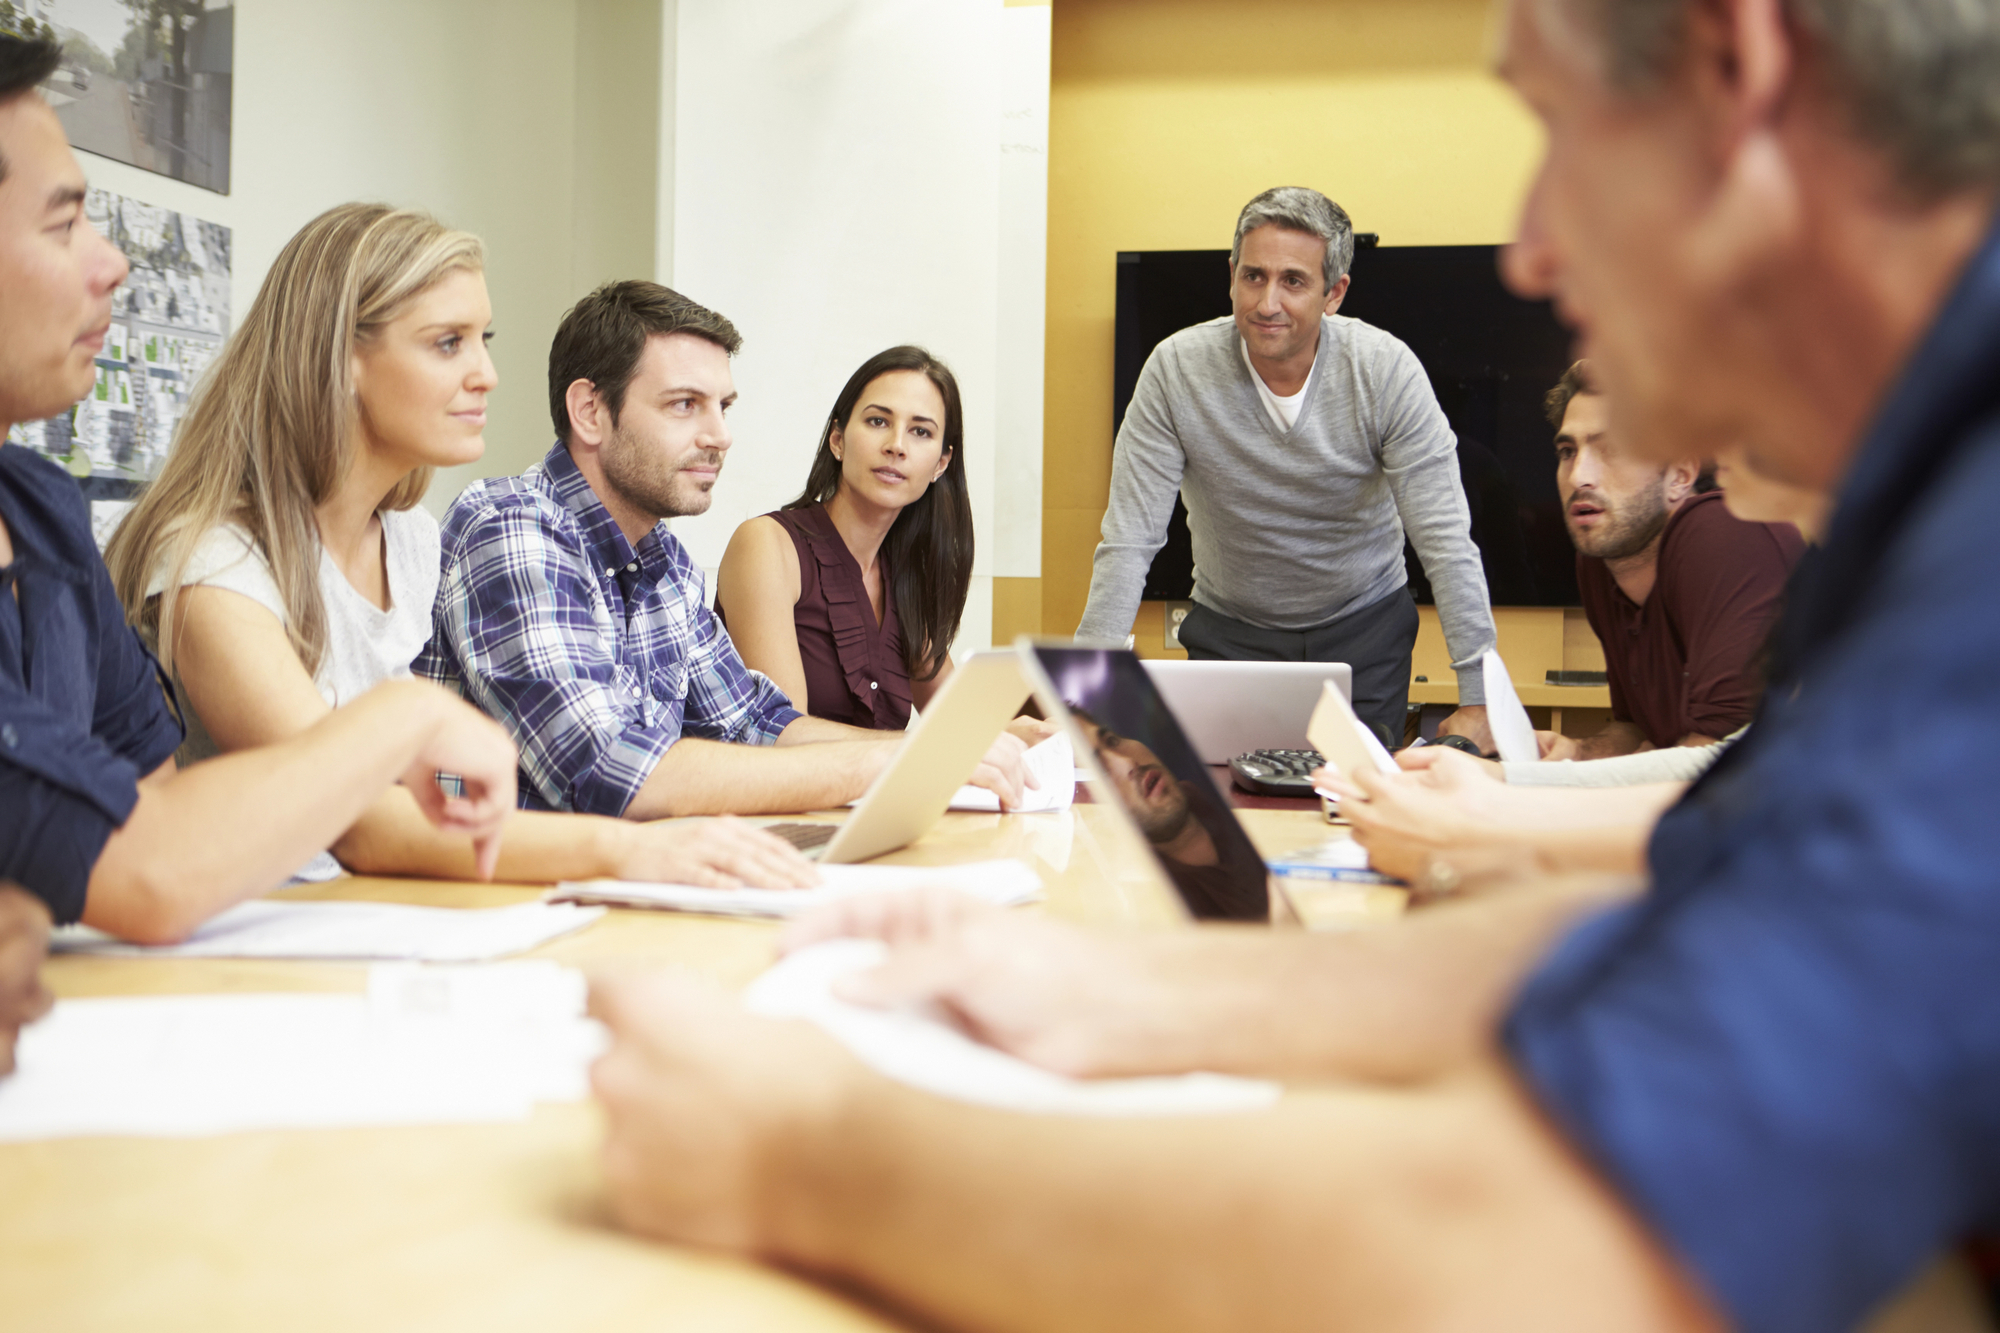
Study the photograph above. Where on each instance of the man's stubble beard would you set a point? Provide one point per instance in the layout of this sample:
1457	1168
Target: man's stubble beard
1627	533
651	485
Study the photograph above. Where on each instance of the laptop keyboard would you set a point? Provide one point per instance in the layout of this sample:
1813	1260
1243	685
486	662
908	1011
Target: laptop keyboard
805	837
1276	772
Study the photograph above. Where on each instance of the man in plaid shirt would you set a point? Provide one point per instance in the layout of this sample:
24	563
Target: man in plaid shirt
567	610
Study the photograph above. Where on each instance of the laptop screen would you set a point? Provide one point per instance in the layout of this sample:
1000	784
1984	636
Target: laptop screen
1161	781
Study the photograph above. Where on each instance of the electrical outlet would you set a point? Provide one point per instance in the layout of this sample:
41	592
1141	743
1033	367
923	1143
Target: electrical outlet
1176	613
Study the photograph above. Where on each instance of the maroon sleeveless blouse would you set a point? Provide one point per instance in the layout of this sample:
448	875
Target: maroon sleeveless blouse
855	672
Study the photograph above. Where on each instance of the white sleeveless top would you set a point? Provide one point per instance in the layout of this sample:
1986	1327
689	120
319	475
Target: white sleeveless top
365	645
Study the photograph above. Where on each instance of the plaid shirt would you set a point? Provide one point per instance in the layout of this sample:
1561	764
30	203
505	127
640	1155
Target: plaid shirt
595	654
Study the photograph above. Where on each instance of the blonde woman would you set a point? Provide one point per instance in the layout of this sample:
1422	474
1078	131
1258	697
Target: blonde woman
282	566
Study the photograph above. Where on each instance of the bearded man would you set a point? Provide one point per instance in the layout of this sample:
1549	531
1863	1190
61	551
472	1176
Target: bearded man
1680	592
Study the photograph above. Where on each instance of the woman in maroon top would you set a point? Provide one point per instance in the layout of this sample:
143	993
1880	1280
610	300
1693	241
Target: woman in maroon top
849	596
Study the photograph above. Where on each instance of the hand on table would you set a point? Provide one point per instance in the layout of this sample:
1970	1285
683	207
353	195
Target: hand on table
699	1098
1004	770
1078	1002
24	943
719	853
1470	722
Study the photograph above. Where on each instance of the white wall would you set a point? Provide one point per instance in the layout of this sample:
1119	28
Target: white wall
467	108
1023	262
836	191
836	176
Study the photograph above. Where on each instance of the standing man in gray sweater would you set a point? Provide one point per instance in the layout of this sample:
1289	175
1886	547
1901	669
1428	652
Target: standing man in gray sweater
1305	445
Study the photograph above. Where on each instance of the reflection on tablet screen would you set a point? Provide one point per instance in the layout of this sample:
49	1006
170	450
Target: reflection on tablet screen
1160	780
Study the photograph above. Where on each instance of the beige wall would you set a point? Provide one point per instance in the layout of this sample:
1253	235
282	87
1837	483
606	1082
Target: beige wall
1167	115
530	122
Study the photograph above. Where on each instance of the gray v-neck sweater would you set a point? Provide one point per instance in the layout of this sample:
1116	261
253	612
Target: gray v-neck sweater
1292	529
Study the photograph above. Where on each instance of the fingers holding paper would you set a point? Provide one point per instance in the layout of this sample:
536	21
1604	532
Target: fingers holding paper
1004	770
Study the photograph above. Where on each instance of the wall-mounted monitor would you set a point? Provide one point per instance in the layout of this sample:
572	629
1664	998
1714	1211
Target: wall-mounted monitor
1490	355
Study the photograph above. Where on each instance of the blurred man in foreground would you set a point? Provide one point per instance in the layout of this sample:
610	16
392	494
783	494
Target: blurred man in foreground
1759	1096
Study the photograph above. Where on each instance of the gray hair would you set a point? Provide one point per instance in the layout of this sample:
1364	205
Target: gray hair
1296	208
1920	78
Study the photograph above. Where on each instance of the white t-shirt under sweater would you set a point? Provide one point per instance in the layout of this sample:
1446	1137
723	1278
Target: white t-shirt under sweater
1284	410
365	645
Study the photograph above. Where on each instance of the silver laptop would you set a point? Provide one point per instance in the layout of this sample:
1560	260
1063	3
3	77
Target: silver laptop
1232	708
981	697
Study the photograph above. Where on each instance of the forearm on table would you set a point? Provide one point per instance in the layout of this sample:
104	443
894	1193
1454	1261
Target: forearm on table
394	838
1396	1003
1449	1206
238	824
699	777
1615	739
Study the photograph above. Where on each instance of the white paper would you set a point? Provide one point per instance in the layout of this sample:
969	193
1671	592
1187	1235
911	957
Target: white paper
1513	734
1004	883
276	928
1342	738
425	1045
1054	765
920	1048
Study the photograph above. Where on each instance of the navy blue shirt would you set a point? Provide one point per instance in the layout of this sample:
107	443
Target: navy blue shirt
82	710
1787	1056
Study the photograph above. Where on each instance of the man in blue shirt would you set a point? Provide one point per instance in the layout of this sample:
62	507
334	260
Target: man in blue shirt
568	611
95	822
1761	1096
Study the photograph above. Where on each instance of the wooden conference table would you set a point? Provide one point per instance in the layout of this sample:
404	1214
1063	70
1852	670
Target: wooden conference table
455	1227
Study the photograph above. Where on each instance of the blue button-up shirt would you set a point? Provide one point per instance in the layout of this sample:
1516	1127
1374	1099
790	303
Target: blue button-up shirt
83	712
1787	1056
596	654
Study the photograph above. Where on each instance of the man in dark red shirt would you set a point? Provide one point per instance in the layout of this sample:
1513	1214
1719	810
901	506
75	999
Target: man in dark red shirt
1680	592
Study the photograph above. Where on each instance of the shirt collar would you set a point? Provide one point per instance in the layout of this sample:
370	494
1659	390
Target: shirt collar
609	551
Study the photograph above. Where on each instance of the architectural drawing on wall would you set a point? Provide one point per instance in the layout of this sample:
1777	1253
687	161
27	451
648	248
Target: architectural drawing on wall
167	323
145	81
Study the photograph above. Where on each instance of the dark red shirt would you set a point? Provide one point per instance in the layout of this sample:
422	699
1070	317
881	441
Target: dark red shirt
1687	662
855	671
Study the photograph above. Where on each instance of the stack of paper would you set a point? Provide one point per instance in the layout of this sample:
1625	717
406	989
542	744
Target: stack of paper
1053	763
921	1048
424	1045
273	928
1003	883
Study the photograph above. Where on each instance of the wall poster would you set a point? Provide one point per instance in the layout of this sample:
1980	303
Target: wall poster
147	82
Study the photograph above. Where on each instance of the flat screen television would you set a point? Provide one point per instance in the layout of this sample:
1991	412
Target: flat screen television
1490	355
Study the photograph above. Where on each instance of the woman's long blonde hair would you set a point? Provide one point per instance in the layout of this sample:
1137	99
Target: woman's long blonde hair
270	432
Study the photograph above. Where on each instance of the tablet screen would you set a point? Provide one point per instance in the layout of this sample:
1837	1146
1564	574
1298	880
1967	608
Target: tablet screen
1161	782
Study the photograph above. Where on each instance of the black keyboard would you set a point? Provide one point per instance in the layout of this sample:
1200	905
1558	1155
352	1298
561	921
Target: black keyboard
1276	772
805	837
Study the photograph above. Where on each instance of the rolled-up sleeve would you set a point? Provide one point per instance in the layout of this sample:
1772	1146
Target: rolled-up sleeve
64	794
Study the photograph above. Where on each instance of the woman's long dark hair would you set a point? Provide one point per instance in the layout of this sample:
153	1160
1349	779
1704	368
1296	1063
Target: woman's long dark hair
929	547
